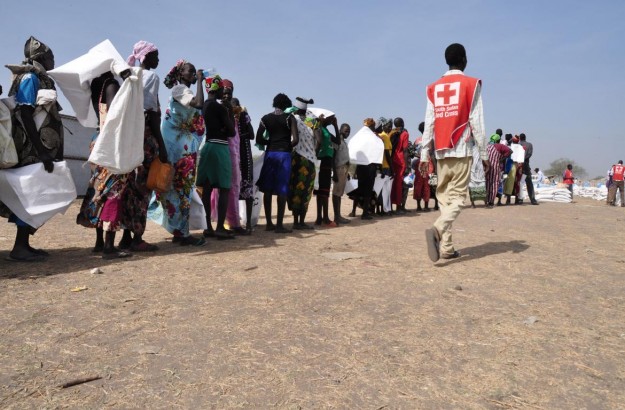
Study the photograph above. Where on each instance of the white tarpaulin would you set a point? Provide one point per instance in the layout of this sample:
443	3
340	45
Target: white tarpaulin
74	79
35	195
365	148
119	147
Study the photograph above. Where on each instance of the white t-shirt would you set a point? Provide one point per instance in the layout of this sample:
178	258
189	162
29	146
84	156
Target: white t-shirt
150	91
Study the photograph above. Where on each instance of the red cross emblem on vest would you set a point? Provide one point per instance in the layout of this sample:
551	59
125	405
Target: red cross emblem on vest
446	94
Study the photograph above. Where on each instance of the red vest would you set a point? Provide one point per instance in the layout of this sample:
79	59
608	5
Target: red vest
617	172
452	97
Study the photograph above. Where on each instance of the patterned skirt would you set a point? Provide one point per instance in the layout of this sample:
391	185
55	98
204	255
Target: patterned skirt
247	170
102	207
301	184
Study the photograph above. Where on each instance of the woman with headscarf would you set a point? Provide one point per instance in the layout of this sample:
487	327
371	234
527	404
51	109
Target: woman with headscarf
33	144
234	145
303	160
243	124
183	130
137	196
276	172
496	154
398	165
215	169
101	207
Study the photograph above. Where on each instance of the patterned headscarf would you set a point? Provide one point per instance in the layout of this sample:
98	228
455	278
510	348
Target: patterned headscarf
369	122
173	77
227	84
515	139
34	49
495	138
139	51
382	122
214	83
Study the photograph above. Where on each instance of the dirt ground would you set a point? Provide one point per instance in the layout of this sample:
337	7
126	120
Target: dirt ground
531	316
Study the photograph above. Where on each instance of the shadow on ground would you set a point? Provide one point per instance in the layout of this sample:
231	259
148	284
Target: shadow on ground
487	249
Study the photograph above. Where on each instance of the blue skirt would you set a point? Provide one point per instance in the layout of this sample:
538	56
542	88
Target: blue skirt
275	174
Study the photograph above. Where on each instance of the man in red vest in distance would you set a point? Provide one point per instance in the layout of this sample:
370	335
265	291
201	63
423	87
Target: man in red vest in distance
454	123
617	172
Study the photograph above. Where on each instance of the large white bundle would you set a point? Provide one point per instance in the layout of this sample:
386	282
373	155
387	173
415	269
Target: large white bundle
35	195
74	79
365	148
119	147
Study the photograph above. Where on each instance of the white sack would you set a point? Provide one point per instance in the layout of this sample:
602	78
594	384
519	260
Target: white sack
119	147
74	79
35	195
257	205
518	153
365	148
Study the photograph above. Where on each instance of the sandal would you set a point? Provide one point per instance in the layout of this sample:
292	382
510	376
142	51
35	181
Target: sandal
116	254
38	251
190	240
30	258
143	247
208	233
433	238
221	235
240	231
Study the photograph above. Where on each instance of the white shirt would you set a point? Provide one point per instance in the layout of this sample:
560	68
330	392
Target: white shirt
150	91
473	135
541	177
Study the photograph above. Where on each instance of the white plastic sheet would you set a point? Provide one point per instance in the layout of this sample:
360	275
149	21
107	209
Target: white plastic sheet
318	112
74	79
197	214
119	147
35	195
365	148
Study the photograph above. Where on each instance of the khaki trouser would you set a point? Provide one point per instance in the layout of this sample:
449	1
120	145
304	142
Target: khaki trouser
612	192
453	183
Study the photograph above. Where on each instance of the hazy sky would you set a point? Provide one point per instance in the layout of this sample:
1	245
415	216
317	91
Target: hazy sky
545	65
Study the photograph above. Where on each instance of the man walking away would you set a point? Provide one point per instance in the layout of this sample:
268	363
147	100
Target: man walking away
454	123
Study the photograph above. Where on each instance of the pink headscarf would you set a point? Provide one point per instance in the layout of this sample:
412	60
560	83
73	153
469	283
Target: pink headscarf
139	51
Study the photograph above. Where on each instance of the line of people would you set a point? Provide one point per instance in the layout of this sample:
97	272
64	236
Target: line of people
206	140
